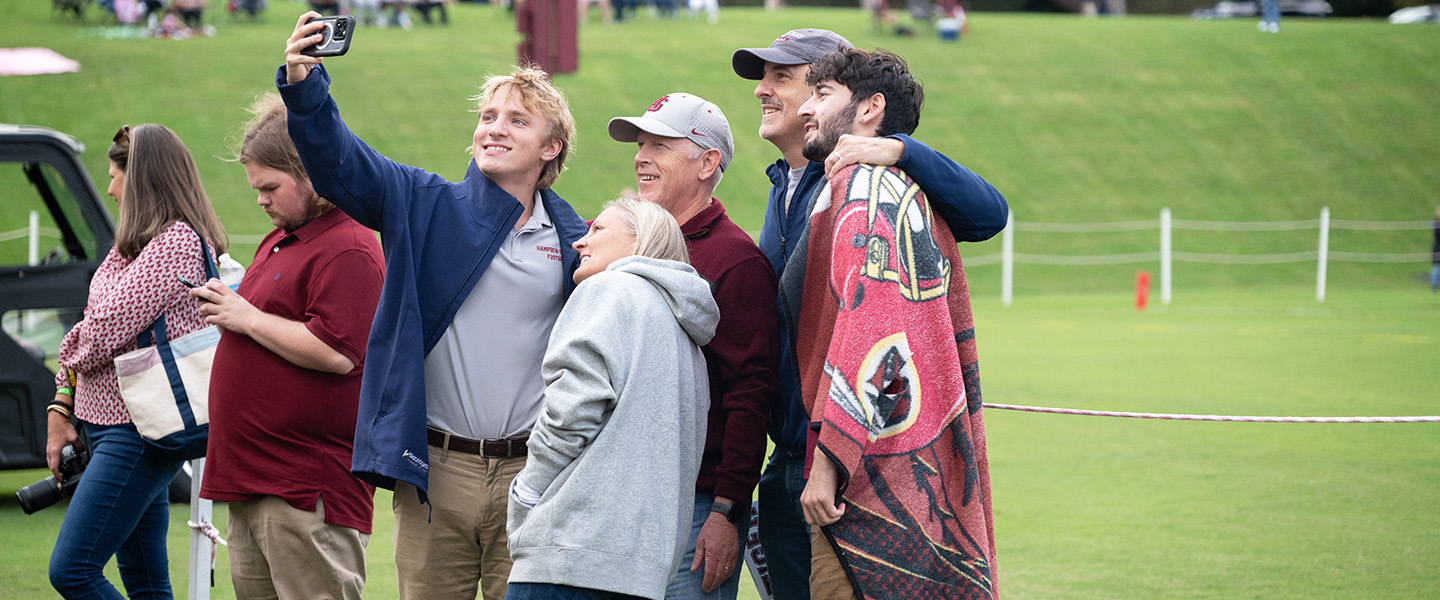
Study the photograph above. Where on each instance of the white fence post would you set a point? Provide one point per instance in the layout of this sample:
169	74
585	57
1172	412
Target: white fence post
1007	261
201	548
1165	256
29	321
1323	254
34	237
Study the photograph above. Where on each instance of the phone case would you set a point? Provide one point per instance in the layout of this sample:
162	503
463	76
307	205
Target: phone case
338	32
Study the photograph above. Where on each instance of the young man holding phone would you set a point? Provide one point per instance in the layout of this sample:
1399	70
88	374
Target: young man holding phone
476	274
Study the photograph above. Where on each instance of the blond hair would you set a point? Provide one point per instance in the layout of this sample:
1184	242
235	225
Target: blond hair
657	234
162	186
537	94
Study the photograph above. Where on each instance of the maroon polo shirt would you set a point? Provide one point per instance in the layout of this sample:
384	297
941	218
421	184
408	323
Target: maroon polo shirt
742	358
277	429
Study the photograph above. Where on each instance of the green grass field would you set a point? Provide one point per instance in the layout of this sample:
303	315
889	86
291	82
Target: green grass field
1091	507
1074	121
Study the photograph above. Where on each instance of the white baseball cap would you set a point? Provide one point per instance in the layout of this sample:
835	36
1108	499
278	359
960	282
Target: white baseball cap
678	115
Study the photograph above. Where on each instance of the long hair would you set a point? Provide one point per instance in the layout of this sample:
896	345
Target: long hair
657	235
162	187
537	94
267	143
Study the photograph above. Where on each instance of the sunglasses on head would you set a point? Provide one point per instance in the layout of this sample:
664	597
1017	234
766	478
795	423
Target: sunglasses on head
122	135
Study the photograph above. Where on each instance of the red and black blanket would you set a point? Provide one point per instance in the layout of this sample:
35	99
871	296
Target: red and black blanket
889	371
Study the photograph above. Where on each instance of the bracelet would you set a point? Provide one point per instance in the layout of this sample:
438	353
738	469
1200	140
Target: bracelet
65	390
60	408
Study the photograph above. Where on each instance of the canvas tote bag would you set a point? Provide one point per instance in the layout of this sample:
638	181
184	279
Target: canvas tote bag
166	386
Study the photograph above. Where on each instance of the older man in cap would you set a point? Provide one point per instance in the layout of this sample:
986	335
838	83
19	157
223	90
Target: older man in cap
684	146
972	208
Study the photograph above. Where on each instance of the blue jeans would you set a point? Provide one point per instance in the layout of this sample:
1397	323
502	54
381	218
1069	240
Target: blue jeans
1435	277
1270	11
120	509
552	591
686	584
784	535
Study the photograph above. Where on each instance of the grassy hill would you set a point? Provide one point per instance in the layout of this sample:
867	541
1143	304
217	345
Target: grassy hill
1073	120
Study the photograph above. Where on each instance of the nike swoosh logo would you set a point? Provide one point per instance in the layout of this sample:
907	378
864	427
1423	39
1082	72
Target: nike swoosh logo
692	130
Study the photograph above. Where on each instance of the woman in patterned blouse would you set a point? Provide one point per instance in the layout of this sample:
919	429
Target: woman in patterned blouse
120	507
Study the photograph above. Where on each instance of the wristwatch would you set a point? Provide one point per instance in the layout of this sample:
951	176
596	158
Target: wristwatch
734	513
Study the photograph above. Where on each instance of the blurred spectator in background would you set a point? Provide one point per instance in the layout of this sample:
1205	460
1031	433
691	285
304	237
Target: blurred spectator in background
620	8
152	11
253	8
325	7
583	7
1270	16
880	14
367	12
711	8
425	6
190	11
1435	255
398	16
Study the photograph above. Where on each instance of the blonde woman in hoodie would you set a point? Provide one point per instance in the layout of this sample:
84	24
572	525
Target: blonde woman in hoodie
603	507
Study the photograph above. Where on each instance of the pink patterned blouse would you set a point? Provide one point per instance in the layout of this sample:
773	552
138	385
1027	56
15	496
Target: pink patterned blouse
125	297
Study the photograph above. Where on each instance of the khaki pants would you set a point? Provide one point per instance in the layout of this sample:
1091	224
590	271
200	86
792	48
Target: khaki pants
442	549
280	552
827	575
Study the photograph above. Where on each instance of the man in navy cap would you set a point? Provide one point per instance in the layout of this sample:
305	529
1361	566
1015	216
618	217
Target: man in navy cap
683	147
972	208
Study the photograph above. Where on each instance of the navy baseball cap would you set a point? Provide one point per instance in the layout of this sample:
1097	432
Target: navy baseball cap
796	47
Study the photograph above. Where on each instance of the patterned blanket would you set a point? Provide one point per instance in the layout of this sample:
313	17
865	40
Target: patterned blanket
886	347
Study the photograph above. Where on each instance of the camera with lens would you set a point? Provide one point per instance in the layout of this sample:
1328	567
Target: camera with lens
47	491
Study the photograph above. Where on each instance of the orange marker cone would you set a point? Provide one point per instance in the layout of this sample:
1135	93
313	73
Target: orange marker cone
1142	289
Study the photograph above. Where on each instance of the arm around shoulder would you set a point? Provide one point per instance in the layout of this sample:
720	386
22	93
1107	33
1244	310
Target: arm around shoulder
974	209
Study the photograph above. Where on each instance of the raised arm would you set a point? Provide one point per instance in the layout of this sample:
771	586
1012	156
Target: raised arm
342	168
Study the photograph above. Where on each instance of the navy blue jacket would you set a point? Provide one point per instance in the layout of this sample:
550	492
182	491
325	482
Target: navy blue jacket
438	238
972	208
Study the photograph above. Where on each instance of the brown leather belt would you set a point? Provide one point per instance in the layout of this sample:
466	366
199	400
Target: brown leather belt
501	448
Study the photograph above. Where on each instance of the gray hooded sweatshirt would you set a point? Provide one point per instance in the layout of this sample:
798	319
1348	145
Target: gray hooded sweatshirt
617	446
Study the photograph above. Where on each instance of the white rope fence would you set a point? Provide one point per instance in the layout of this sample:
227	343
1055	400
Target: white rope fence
1227	418
1166	256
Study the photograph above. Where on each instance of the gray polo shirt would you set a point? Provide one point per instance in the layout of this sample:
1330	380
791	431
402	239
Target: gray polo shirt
482	380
